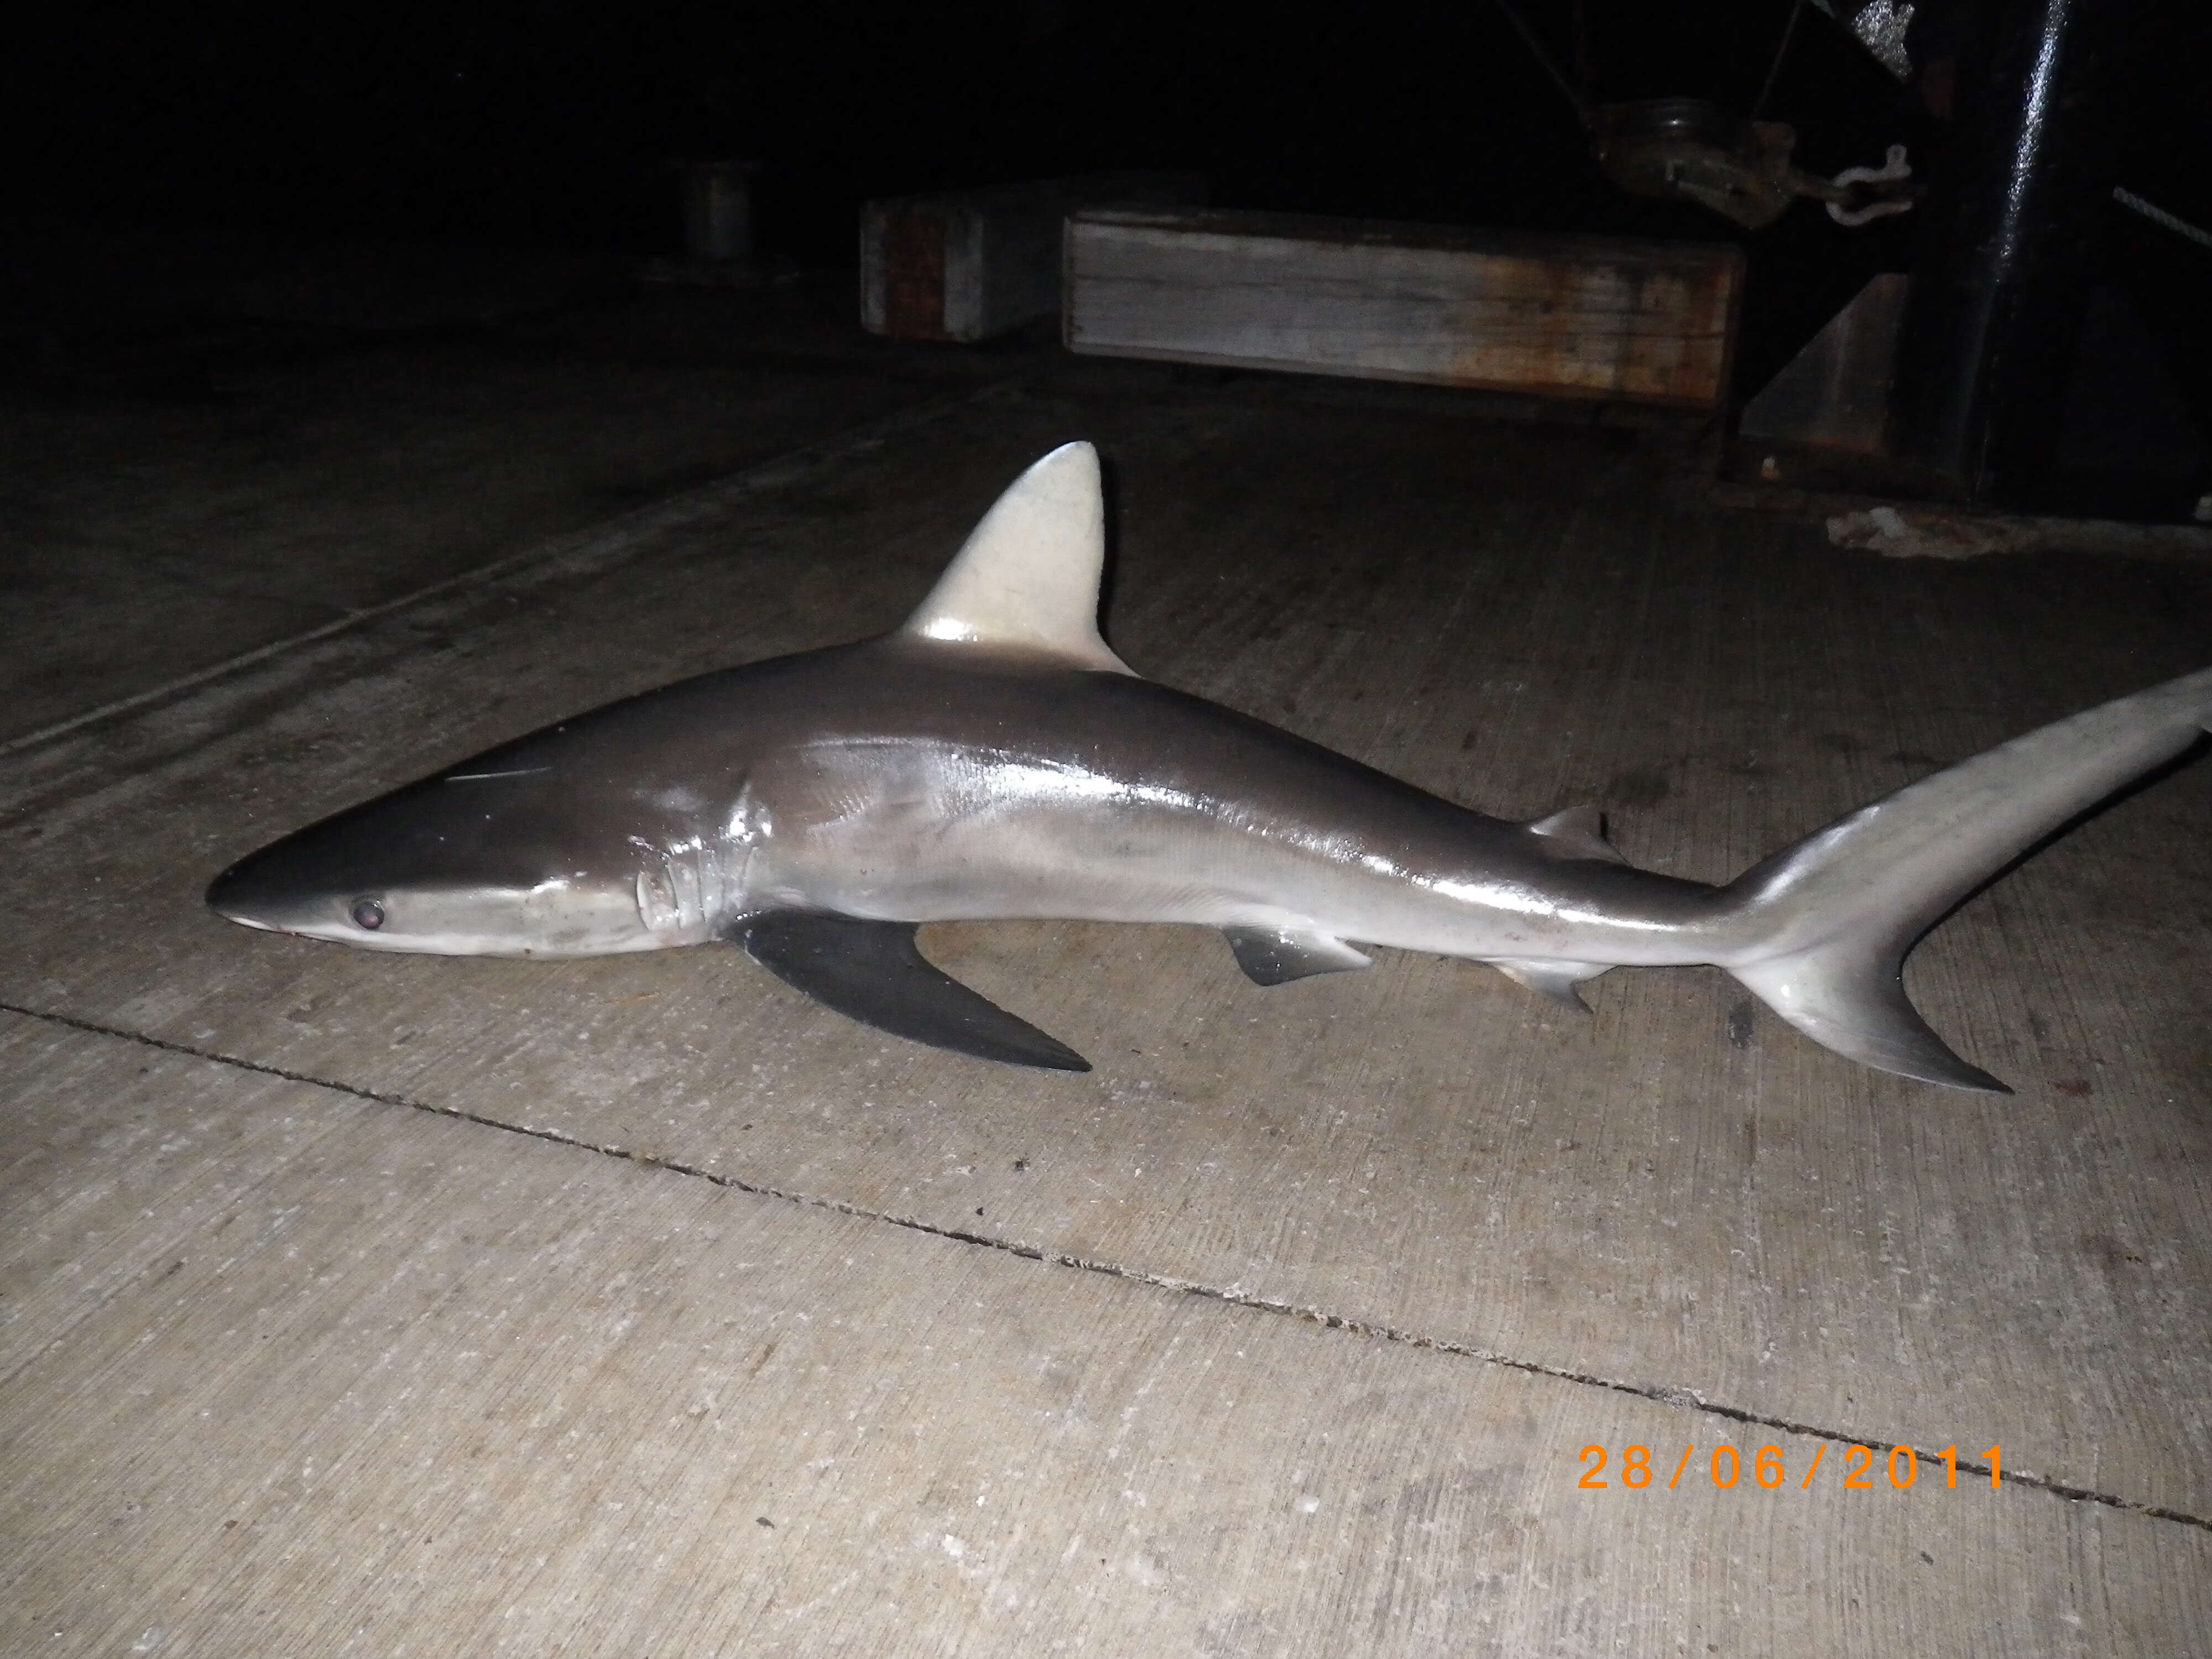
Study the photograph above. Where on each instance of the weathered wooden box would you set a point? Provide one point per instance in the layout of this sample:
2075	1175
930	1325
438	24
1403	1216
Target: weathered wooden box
970	265
1559	316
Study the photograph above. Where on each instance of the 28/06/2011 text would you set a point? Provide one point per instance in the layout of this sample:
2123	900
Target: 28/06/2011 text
1725	1465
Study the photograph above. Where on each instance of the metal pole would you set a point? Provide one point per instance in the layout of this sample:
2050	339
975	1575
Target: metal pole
718	210
2001	285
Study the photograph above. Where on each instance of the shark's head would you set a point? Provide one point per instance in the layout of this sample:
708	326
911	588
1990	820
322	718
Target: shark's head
464	864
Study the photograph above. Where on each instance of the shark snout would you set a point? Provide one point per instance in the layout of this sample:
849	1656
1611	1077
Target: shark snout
271	891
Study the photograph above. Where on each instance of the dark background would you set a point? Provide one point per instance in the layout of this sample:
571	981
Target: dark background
547	123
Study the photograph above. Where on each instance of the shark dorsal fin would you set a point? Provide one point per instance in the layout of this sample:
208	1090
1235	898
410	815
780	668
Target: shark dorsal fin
1027	577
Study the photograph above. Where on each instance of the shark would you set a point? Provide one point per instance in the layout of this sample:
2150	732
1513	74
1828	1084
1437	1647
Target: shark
993	757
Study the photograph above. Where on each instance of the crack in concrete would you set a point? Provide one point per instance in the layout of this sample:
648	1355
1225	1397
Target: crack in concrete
1679	1399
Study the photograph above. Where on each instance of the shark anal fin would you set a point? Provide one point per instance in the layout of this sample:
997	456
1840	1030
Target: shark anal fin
1577	832
1556	980
873	972
1269	957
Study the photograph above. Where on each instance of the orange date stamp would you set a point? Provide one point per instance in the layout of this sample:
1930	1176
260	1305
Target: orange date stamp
1856	1469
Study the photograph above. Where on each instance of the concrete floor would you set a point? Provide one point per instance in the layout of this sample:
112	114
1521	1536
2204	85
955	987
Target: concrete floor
394	1305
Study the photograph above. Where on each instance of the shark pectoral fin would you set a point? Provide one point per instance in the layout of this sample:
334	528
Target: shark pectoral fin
1578	832
1270	956
873	971
1556	980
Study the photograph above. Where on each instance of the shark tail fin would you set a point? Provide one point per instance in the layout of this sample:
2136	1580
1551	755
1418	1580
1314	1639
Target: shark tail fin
1824	927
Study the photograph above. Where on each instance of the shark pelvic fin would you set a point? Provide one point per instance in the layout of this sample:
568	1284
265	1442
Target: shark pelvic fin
1027	577
1578	832
872	971
1272	957
1556	980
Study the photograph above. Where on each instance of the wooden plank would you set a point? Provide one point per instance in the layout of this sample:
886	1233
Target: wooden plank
911	261
1559	316
973	264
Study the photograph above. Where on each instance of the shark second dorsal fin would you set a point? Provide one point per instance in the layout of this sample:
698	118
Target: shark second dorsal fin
1576	833
1027	577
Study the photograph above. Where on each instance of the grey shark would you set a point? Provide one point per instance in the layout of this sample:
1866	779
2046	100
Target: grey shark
993	757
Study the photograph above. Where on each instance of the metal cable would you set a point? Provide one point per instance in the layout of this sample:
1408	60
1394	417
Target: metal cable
2159	216
1774	69
1536	47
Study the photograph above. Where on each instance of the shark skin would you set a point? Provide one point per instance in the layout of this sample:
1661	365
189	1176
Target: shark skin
993	757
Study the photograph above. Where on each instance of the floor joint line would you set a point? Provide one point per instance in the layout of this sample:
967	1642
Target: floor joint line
1679	1399
642	521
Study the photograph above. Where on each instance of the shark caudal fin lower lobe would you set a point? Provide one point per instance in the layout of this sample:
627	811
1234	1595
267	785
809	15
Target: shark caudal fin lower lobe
1825	924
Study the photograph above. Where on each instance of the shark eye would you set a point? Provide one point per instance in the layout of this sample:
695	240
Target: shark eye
367	913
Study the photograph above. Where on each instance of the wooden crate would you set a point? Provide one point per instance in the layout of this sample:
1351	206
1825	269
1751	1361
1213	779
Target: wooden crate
970	265
1562	316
